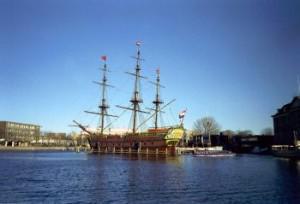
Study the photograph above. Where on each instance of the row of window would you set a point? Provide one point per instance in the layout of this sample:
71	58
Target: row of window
16	131
20	135
22	126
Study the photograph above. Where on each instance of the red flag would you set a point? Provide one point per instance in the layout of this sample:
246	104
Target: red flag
103	58
157	70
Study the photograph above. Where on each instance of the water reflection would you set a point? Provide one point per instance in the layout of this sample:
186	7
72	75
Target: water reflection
135	177
153	158
42	156
287	178
93	178
288	165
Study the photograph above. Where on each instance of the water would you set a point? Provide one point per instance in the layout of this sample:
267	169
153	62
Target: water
67	177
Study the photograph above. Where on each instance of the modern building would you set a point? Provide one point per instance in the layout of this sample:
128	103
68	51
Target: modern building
17	133
55	139
200	140
252	143
236	143
287	123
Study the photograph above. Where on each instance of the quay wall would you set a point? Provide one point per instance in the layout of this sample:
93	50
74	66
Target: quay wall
3	148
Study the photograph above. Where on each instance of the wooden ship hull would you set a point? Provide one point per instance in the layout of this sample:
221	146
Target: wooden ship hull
151	142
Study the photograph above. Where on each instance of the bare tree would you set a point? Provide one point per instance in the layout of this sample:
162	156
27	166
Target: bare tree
228	132
244	132
207	126
267	131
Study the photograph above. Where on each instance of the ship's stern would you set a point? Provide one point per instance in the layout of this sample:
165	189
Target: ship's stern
174	135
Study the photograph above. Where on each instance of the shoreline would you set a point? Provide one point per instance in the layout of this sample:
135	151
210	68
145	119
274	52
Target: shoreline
33	149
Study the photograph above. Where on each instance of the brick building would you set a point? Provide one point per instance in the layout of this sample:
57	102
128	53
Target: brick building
287	123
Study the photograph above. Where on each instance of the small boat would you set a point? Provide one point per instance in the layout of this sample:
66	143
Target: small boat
288	151
213	152
260	150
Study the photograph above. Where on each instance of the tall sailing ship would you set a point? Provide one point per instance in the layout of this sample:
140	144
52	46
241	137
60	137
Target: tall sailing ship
156	140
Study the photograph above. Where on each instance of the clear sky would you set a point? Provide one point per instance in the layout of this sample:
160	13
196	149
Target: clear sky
235	60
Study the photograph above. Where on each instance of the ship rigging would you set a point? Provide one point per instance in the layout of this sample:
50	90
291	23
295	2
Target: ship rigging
156	140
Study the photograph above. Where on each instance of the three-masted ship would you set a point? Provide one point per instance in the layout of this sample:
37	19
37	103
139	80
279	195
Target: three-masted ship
156	140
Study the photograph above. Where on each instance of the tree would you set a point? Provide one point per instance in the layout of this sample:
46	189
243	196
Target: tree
244	132
207	126
228	132
267	131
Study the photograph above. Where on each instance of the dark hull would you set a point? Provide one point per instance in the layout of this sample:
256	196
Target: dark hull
287	151
293	154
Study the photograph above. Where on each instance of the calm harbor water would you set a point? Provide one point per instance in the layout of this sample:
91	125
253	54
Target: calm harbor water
67	177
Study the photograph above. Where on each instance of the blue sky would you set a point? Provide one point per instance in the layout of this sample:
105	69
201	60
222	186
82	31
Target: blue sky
235	60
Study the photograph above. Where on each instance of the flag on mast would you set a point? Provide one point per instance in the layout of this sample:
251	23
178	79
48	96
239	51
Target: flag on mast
182	114
157	70
103	57
138	43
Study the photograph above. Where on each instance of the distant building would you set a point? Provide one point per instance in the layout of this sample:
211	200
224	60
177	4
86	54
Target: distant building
16	133
236	143
252	143
287	122
200	140
55	139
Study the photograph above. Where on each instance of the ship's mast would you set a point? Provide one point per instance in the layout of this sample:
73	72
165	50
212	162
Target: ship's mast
157	100
136	99
103	103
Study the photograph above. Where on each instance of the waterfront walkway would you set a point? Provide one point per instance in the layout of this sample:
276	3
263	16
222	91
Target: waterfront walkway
9	148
